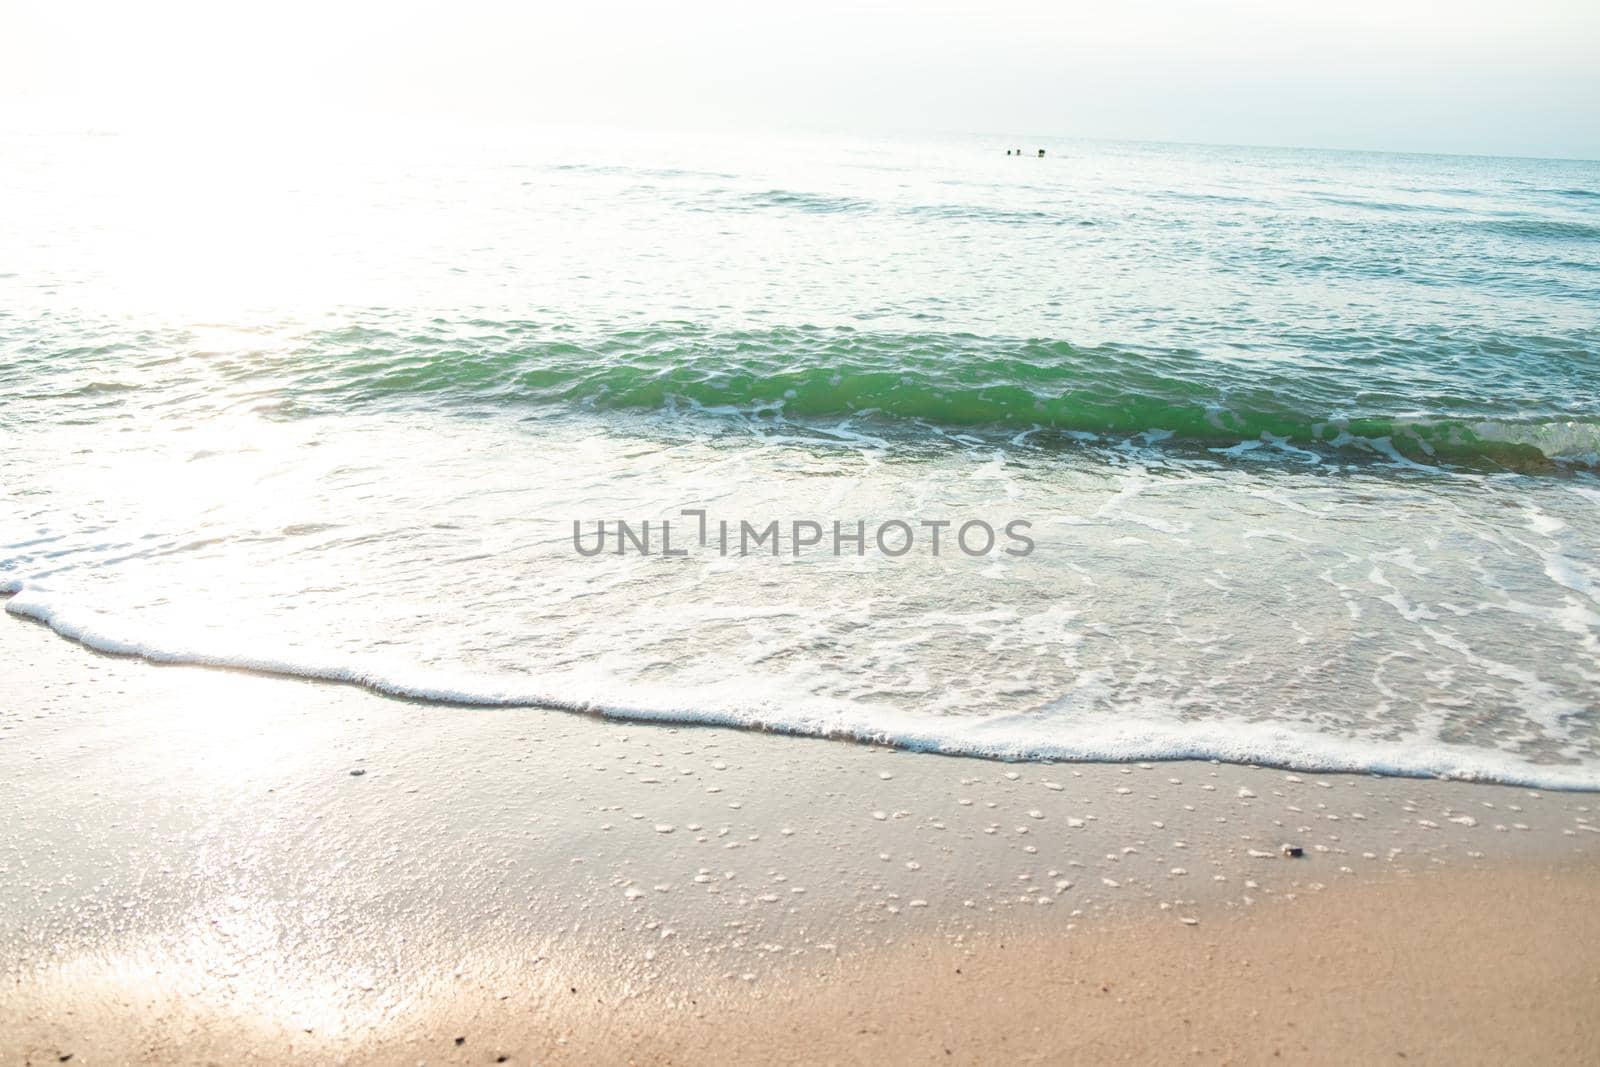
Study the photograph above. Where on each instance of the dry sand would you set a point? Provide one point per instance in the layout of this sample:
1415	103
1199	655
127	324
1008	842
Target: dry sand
191	872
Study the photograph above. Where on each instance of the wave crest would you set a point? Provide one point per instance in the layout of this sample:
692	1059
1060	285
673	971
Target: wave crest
968	381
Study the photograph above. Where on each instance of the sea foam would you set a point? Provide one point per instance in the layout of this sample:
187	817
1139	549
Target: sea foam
1012	738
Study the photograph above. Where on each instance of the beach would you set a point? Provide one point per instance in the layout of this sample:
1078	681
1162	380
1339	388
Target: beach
558	598
209	865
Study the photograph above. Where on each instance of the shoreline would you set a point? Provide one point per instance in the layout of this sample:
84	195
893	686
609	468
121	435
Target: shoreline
194	872
1324	754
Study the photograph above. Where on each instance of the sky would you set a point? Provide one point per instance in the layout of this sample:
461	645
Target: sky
1469	76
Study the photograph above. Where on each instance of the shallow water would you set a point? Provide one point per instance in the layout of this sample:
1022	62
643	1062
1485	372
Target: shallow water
1305	443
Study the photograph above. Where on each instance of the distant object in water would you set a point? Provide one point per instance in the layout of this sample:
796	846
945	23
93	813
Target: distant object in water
1008	151
1041	153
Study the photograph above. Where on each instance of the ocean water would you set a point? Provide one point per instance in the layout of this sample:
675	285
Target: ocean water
1290	456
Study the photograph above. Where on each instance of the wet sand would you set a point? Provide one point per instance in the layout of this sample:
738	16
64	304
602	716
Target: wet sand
194	872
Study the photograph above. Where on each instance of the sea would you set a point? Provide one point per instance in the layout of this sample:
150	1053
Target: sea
1120	451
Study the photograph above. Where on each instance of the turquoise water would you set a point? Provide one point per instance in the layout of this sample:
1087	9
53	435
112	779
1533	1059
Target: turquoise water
1306	443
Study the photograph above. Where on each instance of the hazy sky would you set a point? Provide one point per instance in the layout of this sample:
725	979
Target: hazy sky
1469	76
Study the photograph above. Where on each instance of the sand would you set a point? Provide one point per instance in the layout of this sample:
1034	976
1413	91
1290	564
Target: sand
193	872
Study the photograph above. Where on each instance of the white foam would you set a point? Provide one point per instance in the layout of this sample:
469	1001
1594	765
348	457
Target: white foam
1130	738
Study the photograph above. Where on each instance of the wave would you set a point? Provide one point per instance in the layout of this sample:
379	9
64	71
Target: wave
1538	229
813	203
1544	229
998	216
1519	402
623	170
1414	410
1012	738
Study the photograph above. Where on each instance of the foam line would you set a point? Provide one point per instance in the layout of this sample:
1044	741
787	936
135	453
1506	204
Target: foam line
1006	738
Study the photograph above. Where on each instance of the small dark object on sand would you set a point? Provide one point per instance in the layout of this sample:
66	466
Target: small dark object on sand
357	773
1294	852
461	1041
